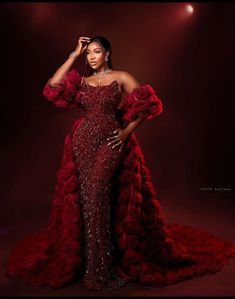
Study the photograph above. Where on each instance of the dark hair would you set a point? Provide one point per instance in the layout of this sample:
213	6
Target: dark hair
104	43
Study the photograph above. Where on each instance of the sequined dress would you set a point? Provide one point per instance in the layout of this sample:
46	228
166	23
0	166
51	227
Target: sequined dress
106	226
97	162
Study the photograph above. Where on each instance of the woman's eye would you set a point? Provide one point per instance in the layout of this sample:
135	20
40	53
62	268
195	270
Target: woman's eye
95	52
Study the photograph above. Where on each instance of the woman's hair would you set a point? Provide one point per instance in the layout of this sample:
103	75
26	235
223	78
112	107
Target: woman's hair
104	43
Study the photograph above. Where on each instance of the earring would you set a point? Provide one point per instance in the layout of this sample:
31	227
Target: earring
106	58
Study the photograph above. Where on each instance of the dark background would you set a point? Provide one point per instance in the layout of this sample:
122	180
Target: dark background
187	59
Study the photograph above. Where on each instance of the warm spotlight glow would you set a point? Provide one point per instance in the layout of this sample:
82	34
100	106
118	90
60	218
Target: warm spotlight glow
189	8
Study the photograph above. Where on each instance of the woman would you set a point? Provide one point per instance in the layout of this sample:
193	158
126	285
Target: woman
106	225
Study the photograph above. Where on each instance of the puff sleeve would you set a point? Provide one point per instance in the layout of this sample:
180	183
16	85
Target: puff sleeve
141	101
65	94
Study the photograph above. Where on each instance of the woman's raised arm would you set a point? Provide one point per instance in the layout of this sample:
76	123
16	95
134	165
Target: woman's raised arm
65	67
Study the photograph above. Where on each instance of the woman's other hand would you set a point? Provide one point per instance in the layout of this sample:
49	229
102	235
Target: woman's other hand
118	138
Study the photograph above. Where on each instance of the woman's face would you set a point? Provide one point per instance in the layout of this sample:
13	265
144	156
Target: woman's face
95	55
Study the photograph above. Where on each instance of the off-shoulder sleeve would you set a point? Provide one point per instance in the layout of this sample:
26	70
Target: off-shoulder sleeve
141	101
65	94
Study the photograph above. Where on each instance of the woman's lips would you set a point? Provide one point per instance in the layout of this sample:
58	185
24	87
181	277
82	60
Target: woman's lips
93	63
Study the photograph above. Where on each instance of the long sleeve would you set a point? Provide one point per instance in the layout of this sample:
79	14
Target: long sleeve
142	100
65	94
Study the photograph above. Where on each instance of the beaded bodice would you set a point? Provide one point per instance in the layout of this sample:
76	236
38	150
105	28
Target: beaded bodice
100	100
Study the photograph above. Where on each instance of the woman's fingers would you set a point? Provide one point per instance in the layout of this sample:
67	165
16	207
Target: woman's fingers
121	147
84	39
111	142
115	140
113	137
117	144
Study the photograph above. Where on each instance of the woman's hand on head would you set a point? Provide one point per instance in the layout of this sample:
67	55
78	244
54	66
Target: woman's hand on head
82	44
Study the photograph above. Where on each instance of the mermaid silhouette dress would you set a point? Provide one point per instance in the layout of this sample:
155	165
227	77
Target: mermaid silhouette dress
107	226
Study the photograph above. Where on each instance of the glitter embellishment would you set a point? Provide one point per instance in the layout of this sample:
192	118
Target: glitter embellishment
96	162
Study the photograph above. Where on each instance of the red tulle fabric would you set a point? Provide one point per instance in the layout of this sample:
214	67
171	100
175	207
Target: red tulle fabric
64	94
142	100
149	250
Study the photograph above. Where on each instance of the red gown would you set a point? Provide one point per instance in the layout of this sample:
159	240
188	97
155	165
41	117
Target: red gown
106	225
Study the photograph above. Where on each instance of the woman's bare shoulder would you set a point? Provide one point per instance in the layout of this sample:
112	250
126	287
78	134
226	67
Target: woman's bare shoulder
121	73
127	80
124	76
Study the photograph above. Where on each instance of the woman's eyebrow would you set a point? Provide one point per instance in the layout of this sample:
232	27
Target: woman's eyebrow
95	49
